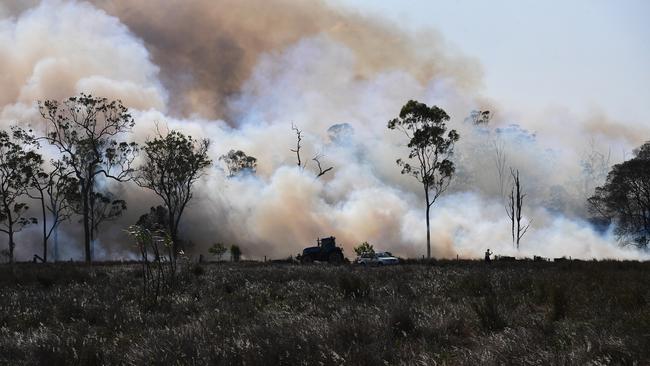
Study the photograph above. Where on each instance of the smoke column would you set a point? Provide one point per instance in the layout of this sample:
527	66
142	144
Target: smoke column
242	73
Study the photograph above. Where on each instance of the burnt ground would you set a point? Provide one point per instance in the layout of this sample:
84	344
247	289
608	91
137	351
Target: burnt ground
441	312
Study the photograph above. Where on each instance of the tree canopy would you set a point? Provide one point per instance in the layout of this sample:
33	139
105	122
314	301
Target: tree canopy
431	148
238	162
17	167
173	163
624	199
85	129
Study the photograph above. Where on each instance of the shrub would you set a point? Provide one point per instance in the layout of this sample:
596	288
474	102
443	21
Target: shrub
487	311
364	248
353	286
401	322
559	302
235	253
198	270
218	250
158	263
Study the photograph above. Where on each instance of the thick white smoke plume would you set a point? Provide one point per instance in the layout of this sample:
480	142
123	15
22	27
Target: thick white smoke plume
56	49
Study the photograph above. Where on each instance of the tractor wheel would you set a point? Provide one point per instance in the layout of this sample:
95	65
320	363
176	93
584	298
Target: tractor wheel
306	259
335	258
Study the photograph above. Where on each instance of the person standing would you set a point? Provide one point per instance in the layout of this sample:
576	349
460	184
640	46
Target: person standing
487	256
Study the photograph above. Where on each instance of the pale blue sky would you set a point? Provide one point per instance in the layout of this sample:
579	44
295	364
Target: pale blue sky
578	54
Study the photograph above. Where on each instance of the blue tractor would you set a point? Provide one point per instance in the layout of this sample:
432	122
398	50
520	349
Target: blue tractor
326	251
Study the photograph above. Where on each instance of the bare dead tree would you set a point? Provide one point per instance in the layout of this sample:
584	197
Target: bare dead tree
298	146
500	162
316	158
321	172
514	208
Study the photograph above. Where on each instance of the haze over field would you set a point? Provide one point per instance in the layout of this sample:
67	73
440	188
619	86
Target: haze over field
241	74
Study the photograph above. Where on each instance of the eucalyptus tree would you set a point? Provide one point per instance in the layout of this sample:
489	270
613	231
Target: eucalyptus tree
55	189
237	162
172	164
624	199
17	167
431	148
85	129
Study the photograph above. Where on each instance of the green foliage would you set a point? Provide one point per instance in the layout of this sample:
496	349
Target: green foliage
158	264
625	200
57	190
238	162
172	164
235	253
430	148
83	128
156	219
17	167
104	206
364	248
218	250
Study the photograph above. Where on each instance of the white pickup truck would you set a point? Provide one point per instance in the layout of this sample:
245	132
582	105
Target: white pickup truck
376	259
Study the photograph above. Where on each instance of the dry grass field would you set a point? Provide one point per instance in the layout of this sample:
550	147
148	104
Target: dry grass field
441	312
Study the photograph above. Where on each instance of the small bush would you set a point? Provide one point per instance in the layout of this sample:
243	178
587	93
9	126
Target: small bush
473	284
364	248
198	270
45	281
487	311
353	286
401	322
235	253
559	302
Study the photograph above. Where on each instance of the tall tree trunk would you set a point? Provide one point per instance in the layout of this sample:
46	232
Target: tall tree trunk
86	219
44	229
426	194
93	224
10	232
56	243
173	231
512	215
12	245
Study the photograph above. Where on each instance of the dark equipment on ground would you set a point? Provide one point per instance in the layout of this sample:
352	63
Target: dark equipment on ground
326	251
37	259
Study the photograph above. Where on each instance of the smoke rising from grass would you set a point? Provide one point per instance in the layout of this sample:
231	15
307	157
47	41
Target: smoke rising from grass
218	70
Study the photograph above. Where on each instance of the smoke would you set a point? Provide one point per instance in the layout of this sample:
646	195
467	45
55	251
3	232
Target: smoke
241	74
208	49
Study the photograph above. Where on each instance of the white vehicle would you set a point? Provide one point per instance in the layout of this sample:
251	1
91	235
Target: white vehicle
376	259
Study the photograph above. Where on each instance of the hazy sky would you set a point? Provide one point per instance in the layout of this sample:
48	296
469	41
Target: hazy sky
585	55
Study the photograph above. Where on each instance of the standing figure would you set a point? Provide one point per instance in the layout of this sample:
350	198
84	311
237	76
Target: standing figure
487	256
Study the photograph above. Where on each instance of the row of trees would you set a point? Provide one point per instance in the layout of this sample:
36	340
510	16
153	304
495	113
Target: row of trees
85	131
623	201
